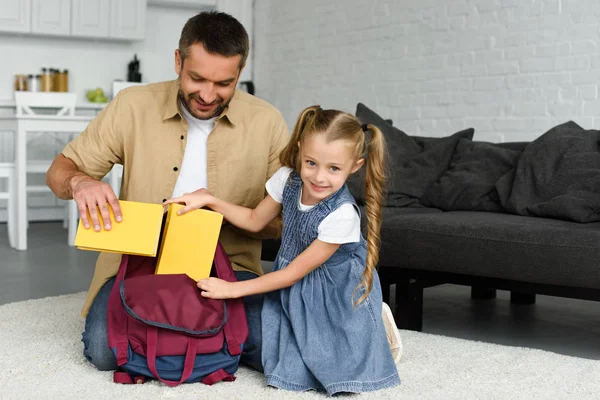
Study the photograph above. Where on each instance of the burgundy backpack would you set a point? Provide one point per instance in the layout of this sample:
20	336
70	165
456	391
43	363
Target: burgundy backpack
160	326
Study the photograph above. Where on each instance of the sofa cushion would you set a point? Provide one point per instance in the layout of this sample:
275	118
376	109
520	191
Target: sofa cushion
390	212
518	146
536	250
468	184
557	176
414	163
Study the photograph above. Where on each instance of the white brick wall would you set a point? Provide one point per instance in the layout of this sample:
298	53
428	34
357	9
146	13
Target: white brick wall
509	68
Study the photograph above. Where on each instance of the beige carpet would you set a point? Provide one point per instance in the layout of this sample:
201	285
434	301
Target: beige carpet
41	358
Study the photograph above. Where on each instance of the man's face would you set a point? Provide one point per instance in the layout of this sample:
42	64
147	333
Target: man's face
206	81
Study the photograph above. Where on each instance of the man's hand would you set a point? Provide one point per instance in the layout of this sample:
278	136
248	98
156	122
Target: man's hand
215	288
192	201
89	194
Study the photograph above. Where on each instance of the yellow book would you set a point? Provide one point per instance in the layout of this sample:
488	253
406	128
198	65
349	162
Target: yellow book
189	242
187	245
138	233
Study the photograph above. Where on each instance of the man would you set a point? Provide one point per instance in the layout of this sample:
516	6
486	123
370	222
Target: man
175	137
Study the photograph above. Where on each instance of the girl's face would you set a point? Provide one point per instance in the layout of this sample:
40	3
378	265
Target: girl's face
325	167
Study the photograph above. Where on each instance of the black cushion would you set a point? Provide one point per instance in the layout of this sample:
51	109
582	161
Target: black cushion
557	176
529	249
469	182
414	163
518	146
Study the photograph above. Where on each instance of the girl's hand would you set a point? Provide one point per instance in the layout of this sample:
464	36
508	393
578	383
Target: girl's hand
198	199
215	288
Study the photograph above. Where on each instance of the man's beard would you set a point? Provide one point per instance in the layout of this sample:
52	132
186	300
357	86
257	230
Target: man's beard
186	103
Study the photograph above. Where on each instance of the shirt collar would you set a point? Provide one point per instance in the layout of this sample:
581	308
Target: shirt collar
232	112
171	106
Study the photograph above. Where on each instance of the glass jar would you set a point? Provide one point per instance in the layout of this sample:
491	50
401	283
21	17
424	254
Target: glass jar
62	81
20	82
46	81
65	80
33	82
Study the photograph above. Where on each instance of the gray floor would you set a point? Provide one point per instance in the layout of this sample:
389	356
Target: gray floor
565	326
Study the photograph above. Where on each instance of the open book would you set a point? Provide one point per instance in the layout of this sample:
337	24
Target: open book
184	243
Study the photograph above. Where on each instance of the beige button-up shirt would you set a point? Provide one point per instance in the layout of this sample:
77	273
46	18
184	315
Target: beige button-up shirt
142	129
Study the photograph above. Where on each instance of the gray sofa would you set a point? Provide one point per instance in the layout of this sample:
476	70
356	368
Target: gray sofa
522	217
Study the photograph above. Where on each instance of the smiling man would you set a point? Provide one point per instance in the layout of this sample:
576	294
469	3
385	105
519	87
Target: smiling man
174	137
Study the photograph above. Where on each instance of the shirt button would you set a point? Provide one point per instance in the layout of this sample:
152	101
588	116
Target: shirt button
182	137
175	168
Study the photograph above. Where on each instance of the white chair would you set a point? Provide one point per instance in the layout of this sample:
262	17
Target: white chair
56	104
7	172
41	112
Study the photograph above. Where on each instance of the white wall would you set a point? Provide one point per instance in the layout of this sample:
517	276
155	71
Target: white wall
509	68
91	64
96	63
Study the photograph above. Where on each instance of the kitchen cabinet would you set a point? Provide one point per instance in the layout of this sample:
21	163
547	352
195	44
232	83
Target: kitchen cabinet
114	19
15	16
90	18
128	19
51	17
102	19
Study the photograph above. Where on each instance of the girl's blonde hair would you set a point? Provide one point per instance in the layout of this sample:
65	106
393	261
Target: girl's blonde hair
338	125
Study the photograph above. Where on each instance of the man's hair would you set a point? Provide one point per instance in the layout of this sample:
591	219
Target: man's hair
218	32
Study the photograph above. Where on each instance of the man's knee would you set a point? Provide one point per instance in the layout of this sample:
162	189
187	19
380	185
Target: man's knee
95	336
100	357
96	350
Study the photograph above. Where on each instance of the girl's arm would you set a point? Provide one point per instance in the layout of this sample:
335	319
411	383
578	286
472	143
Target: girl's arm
315	255
251	220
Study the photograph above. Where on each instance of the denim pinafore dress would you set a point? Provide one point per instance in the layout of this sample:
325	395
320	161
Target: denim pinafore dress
313	338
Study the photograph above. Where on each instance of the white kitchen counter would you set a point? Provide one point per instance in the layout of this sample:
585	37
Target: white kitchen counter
10	103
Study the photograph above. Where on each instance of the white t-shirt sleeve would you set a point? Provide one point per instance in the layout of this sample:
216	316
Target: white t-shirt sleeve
276	183
341	226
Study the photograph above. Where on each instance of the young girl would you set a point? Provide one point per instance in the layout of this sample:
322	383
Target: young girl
322	325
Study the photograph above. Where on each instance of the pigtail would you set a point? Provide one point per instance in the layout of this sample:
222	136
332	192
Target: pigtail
289	155
374	193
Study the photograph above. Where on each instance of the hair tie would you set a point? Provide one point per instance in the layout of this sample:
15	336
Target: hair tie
365	128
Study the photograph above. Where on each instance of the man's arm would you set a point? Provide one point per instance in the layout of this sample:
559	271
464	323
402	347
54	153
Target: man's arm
61	175
75	173
67	182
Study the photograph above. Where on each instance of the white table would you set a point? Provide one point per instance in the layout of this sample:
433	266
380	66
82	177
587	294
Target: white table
26	124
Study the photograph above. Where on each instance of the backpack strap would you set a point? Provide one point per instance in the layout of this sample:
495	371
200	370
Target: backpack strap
217	376
236	328
223	265
124	378
188	364
233	345
117	320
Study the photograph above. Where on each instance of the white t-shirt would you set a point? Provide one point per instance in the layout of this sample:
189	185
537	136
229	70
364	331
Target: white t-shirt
339	227
193	175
